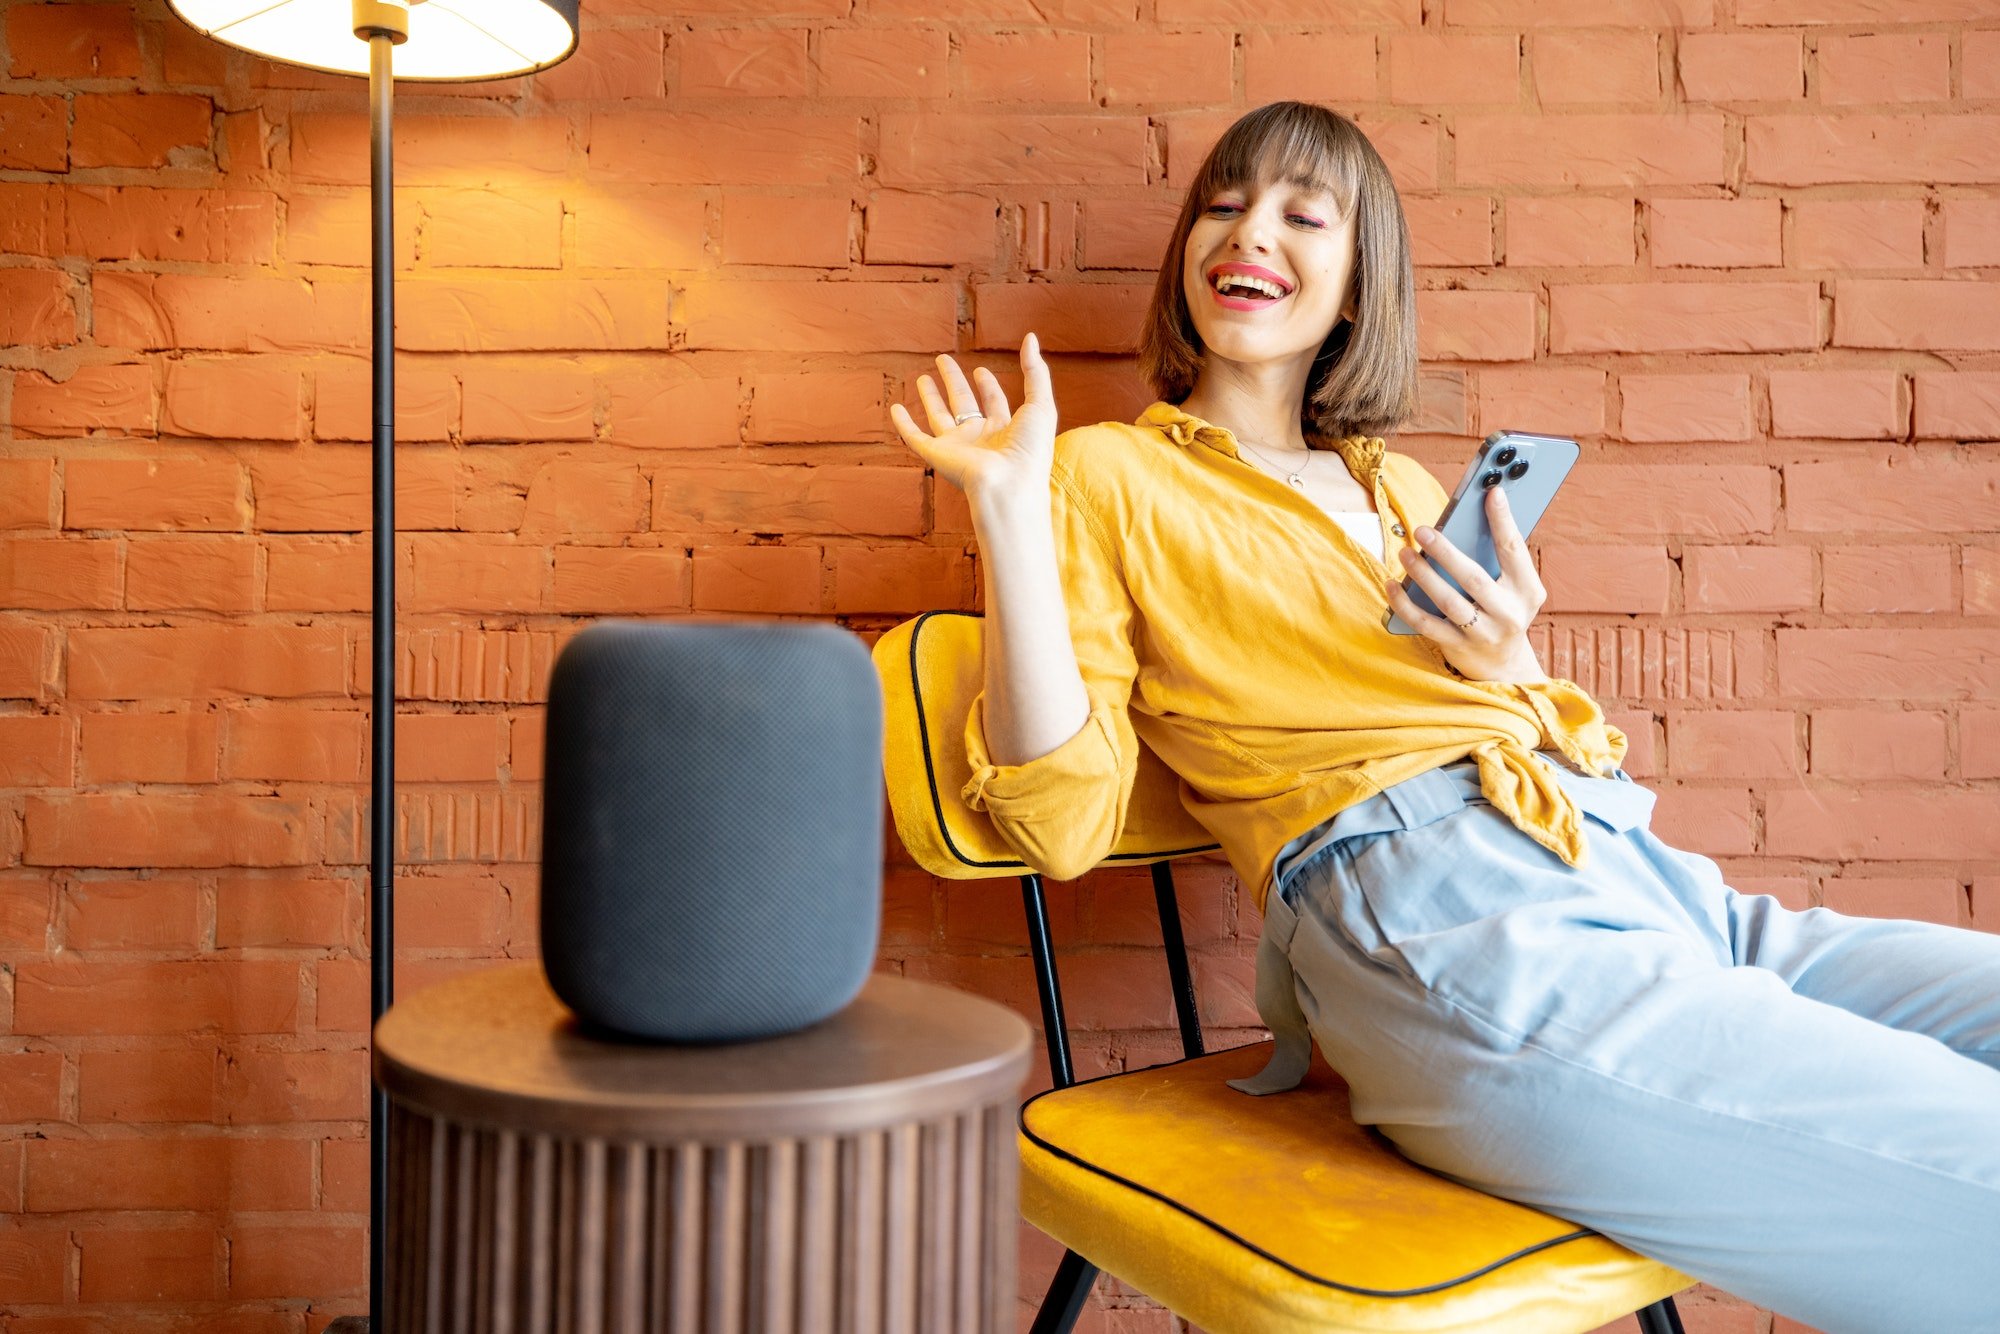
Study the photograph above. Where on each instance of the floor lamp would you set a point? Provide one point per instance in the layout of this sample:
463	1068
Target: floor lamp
442	41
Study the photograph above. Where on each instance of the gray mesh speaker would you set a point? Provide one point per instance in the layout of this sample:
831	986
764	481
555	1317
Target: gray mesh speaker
712	827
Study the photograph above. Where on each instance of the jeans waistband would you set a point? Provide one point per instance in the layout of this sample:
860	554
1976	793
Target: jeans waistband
1415	801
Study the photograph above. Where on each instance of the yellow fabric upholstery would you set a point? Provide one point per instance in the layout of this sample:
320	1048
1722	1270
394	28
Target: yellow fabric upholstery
931	670
1281	1214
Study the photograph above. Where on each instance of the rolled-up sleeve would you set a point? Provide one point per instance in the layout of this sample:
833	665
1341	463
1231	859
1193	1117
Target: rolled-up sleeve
1064	811
1572	723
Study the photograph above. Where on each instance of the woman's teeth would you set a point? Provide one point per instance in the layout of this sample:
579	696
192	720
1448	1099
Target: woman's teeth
1237	284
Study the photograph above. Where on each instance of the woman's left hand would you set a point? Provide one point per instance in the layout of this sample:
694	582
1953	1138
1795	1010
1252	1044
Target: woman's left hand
1484	638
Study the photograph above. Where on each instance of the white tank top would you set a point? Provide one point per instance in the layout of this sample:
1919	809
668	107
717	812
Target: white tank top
1365	529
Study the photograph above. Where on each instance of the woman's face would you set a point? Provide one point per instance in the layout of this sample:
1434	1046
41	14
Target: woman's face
1287	234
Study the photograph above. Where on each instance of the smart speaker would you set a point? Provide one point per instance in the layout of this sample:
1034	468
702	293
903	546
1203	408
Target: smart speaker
712	827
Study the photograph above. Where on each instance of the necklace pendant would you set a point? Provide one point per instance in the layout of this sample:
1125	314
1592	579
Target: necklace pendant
1297	481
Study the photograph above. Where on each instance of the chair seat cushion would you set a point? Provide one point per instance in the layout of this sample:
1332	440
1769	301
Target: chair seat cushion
1280	1213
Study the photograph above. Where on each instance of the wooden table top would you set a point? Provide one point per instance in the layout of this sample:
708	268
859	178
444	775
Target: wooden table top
497	1047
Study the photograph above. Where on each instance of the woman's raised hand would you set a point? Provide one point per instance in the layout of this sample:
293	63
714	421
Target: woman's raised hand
997	453
1484	637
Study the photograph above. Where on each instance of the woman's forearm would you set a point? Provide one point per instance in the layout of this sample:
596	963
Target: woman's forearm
1035	698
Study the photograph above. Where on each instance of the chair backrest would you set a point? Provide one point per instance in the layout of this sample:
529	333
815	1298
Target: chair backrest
932	668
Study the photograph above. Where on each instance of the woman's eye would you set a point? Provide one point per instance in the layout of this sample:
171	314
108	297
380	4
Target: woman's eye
1218	208
1310	222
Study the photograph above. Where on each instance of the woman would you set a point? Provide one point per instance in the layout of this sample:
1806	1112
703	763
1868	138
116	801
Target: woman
1523	987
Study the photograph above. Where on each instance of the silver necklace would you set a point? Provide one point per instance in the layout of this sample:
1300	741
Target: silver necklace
1296	477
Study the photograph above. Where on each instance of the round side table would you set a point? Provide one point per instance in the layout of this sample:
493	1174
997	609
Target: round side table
855	1177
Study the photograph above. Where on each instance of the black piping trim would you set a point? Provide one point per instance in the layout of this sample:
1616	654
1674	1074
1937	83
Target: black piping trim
1217	1228
937	801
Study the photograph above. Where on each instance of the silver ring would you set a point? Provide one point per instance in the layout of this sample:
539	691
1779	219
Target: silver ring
965	417
1469	624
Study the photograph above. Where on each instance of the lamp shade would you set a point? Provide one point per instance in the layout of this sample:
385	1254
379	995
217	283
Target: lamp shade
449	40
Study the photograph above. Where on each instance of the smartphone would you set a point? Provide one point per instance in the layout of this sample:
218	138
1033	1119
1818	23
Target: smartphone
1529	468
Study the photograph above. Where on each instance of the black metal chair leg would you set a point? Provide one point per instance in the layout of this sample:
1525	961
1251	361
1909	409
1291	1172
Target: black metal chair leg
1177	960
1067	1292
1661	1318
1054	1030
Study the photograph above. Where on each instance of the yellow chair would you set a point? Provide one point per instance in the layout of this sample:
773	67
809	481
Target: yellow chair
1239	1213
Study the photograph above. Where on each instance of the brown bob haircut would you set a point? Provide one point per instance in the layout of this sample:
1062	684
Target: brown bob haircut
1364	379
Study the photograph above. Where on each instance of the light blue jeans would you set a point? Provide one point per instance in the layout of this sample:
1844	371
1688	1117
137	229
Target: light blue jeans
1801	1108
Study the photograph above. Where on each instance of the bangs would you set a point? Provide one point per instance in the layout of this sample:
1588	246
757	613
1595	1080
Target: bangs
1293	150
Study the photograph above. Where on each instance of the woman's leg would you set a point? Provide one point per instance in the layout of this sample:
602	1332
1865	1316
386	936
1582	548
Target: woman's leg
1579	1043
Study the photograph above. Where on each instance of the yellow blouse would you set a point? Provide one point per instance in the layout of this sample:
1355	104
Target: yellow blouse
1221	616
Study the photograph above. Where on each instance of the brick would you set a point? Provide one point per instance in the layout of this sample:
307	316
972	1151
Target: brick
308	575
460	574
1715	822
1980	72
427	403
1838	405
1308	66
900	579
1425	69
1971	233
1151	68
845	317
279	1262
25	661
1545	233
139	222
190	311
883	62
182	1171
693	148
1747	579
291	912
336	229
72	42
201	661
332	147
1475	326
620	580
195	573
1546	400
34	132
1979	743
1957	405
163	913
1869	664
1888	579
798	231
31	218
279	744
528	404
153	829
1928	899
526	735
492	229
818	405
1033	66
148	748
27	914
161	997
1710	502
1884	67
1826	150
1031	149
1684	317
154	1264
1707	406
34	1264
522	315
1878	743
1734	743
830	498
1887	312
612	64
59	574
37	308
683	413
325	489
1606	578
110	398
31	1087
740	62
140	129
245	400
644	227
1860	233
1714	233
1901	494
471	665
1585	13
282	1087
766	580
1447	230
449	747
1742	67
27	493
453	912
1081	317
192	493
1591	149
911	227
1574	68
1880	822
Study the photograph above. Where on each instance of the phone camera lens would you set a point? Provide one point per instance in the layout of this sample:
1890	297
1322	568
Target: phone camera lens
1505	456
1491	478
1519	470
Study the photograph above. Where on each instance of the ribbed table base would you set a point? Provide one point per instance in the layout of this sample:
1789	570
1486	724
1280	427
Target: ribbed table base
886	1231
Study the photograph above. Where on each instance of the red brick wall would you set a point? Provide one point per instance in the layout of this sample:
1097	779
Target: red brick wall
653	307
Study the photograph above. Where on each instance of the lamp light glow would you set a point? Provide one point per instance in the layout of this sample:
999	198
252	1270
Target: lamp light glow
455	41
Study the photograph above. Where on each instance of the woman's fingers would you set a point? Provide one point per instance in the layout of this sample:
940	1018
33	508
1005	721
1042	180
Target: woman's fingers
992	398
1424	623
1517	567
1471	577
934	407
1035	373
1457	608
958	390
